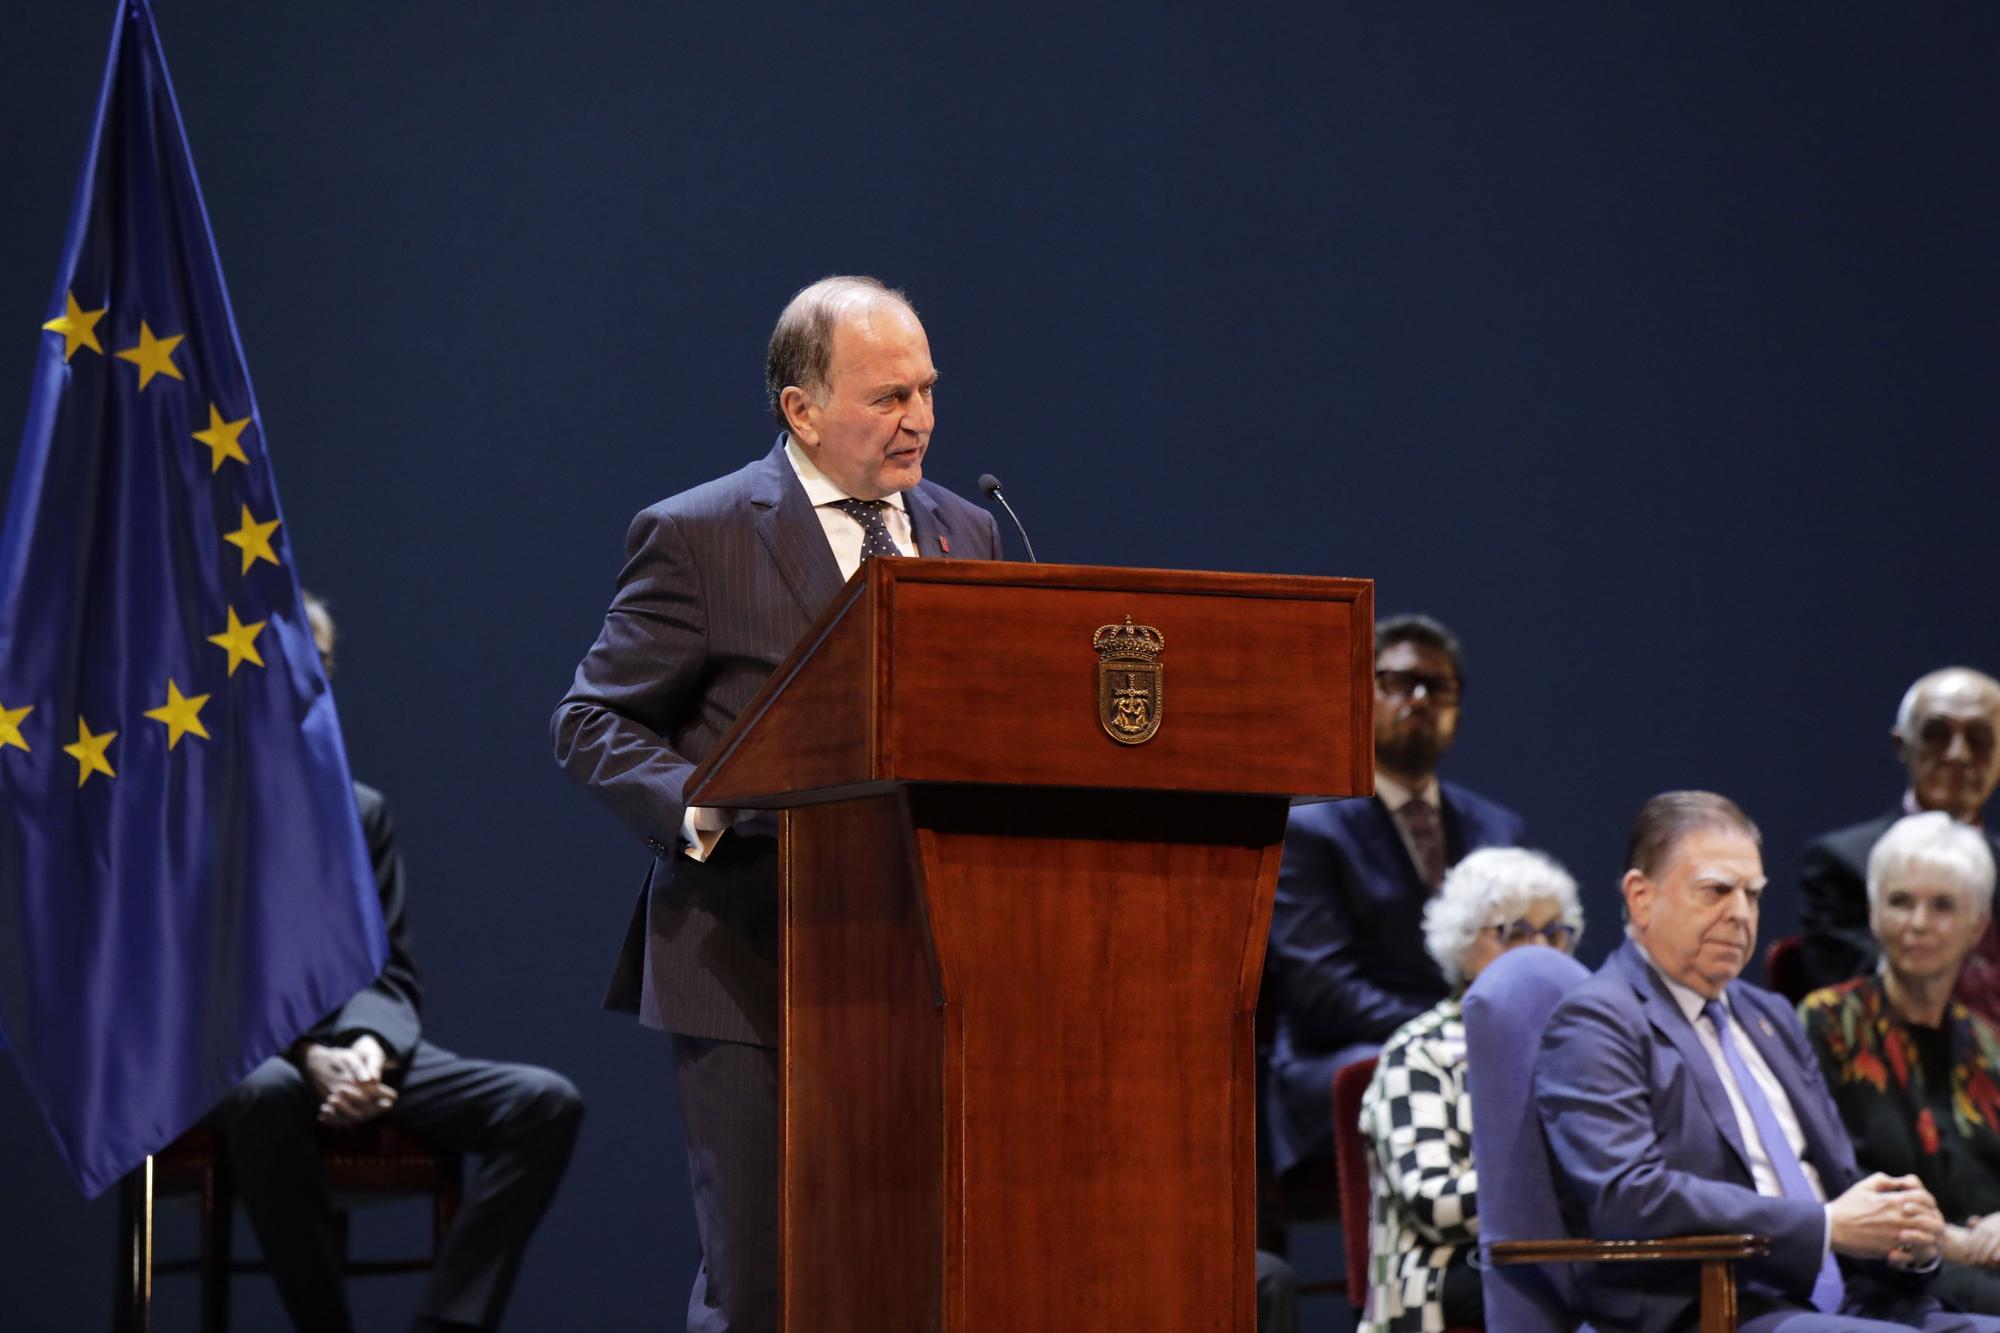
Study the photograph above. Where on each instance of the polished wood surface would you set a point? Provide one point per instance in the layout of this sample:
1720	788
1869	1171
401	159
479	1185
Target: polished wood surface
1687	1248
1718	1297
943	671
1017	1059
862	1063
1717	1255
1020	960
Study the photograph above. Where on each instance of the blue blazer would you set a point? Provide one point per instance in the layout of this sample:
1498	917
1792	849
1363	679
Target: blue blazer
719	583
1644	1144
1347	956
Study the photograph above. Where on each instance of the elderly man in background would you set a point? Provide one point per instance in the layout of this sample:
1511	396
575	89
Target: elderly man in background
1945	739
1417	1114
719	583
1678	1100
373	1058
1347	939
1915	1073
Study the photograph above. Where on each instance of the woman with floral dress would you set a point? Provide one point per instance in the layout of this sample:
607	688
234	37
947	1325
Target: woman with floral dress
1915	1073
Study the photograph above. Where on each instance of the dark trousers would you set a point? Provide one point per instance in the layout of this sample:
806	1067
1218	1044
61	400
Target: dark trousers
729	1111
1811	1321
520	1119
1277	1295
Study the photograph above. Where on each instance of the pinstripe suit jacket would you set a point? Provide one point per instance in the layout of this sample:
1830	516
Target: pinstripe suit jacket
719	583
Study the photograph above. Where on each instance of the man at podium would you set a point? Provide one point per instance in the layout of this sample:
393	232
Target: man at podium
719	583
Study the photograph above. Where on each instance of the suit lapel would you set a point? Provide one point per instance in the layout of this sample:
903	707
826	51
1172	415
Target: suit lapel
1457	828
1389	848
1784	1066
791	532
1667	1019
928	532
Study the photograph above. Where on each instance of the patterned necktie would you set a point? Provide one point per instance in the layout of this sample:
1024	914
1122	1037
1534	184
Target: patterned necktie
1420	822
1828	1291
875	538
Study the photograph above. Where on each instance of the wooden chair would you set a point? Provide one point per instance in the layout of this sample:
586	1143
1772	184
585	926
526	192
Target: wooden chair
1350	1153
371	1163
1526	1282
1785	968
1350	1158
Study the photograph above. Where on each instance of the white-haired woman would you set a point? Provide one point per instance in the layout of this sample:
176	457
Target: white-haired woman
1915	1073
1418	1119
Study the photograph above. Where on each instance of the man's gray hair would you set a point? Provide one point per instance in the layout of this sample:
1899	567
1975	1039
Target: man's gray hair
801	350
1933	847
1672	815
316	608
1490	888
1906	711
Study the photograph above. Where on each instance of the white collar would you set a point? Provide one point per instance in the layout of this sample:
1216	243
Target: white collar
1692	1002
1395	795
819	489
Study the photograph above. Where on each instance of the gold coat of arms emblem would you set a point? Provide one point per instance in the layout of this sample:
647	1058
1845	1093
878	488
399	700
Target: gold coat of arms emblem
1128	680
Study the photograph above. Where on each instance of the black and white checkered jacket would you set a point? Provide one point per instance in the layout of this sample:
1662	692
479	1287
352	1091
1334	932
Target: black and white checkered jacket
1418	1120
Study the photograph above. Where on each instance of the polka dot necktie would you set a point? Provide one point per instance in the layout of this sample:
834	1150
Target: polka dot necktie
875	538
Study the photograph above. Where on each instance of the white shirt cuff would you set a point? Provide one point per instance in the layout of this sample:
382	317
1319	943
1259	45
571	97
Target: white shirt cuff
701	828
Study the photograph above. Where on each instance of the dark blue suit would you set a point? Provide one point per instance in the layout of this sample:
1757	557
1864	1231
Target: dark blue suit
719	583
1347	948
1645	1144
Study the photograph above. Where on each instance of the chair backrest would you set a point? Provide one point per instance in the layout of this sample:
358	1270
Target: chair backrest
1350	1155
1505	1012
1785	968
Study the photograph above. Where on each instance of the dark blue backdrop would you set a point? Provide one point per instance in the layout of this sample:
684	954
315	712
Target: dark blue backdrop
1654	348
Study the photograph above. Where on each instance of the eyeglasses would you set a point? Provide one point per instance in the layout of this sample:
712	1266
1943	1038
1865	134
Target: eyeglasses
1937	733
1557	934
1405	684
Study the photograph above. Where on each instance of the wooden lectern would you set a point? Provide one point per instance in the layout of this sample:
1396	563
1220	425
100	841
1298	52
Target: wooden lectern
1021	952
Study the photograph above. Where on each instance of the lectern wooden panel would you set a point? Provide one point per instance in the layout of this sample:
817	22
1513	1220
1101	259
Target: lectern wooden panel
1021	958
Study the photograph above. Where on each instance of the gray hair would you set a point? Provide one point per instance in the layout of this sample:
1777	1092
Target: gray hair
801	351
1672	815
316	608
1486	889
1906	711
1933	845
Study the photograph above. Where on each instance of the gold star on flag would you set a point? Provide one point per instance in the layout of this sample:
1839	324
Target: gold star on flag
221	439
241	642
181	715
77	326
255	539
10	725
89	752
153	356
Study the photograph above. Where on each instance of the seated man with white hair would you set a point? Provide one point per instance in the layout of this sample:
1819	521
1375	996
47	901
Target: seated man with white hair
1915	1073
1423	1223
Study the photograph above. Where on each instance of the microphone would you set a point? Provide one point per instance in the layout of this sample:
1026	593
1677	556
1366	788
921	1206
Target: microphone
990	484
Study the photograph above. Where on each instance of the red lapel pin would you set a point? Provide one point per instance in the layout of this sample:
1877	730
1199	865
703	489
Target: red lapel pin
944	543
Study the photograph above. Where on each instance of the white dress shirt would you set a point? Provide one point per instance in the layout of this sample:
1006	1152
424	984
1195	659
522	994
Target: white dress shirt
703	828
843	530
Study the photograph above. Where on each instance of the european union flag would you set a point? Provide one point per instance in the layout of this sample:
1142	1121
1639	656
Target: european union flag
183	883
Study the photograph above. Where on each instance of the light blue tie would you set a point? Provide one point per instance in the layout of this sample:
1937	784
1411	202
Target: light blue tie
1828	1291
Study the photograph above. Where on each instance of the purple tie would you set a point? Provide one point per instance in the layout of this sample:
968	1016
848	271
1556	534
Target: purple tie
1827	1293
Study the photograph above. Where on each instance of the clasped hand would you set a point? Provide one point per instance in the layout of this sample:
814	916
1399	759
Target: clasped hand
1977	1242
348	1080
1887	1217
